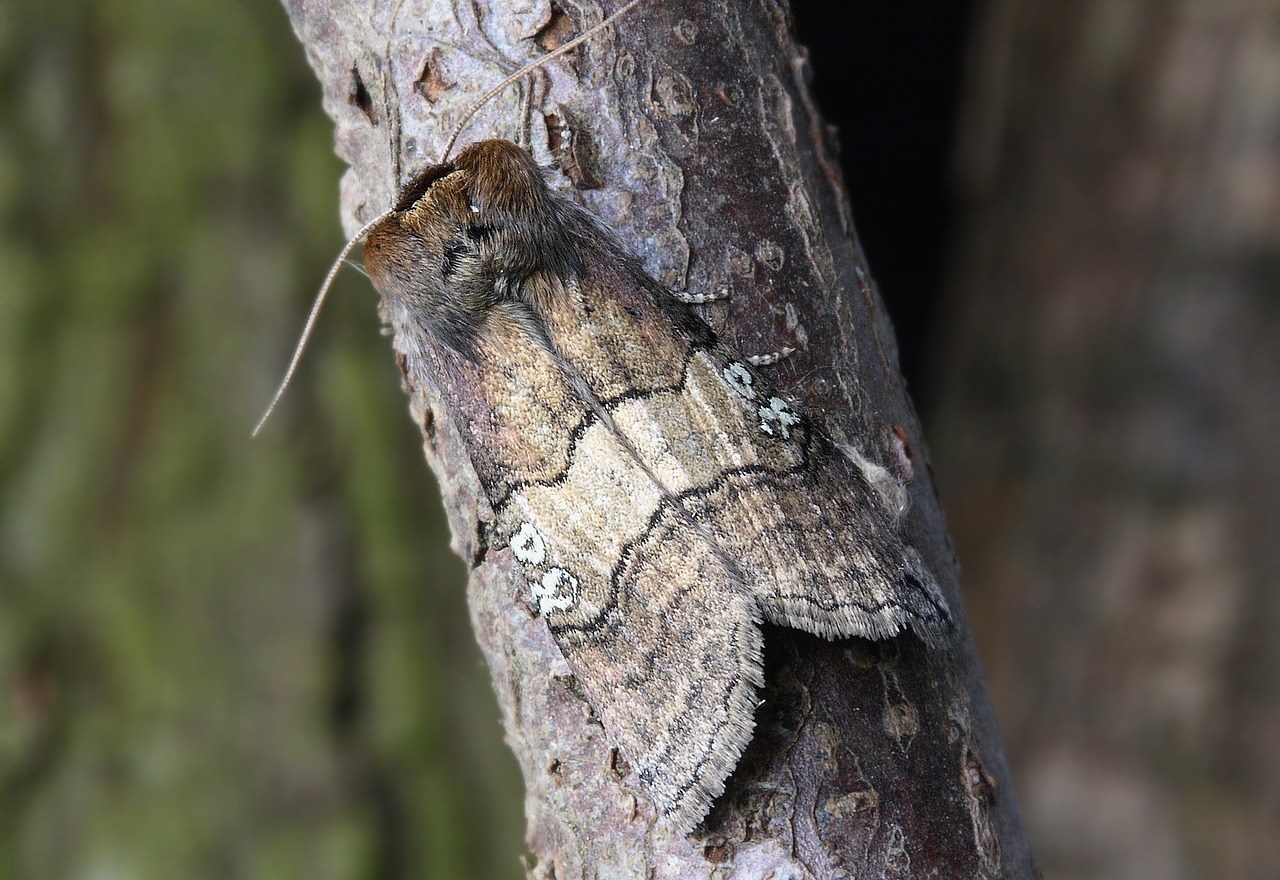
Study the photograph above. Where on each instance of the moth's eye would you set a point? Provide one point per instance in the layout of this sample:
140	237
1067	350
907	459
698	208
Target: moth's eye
480	232
452	254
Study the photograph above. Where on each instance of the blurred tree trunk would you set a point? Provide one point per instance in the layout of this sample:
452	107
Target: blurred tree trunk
219	658
1109	425
693	136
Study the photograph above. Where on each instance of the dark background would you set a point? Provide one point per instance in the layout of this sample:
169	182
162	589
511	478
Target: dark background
888	76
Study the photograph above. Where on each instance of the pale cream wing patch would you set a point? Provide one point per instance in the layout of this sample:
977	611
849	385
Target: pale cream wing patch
624	580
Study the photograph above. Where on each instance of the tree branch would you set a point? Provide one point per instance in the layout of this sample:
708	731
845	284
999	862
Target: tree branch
688	130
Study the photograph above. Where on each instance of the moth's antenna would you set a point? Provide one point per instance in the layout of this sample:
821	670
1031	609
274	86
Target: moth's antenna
532	65
315	313
393	119
359	236
337	264
391	28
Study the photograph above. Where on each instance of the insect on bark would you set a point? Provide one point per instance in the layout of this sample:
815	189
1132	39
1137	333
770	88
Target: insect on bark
661	500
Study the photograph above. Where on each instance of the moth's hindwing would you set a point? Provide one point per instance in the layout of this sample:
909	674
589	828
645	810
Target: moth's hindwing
661	499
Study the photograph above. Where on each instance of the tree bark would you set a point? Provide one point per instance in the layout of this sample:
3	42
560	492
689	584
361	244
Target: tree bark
690	132
1109	418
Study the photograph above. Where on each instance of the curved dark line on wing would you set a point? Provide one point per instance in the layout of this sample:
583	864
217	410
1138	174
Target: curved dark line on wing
588	419
665	505
671	501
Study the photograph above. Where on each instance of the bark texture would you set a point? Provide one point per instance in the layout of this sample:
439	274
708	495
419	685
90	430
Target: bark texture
691	134
1110	425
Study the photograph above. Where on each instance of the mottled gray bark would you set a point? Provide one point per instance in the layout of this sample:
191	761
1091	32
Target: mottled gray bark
1109	425
688	130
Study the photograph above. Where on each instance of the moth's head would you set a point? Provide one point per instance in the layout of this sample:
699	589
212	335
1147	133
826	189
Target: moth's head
468	234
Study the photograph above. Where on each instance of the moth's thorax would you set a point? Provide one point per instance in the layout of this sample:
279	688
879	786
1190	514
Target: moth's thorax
468	235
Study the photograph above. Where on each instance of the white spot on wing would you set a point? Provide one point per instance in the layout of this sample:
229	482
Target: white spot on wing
740	380
558	591
528	545
778	418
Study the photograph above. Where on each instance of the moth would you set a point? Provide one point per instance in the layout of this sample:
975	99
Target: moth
659	498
